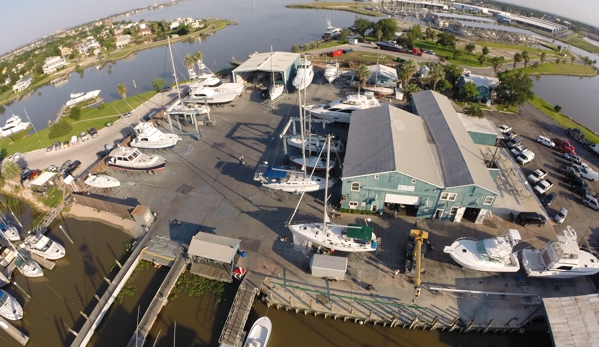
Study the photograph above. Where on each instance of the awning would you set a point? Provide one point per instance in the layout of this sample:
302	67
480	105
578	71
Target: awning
43	178
402	199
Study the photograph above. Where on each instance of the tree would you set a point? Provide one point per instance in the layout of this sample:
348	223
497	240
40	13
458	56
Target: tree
526	58
468	91
482	59
456	54
388	27
444	85
452	73
361	26
164	25
557	108
497	63
542	57
474	110
198	56
470	47
295	49
430	34
515	88
407	70
572	59
344	34
446	40
379	34
183	29
157	84
536	65
408	91
59	129
557	61
485	50
10	170
517	59
436	74
189	61
75	113
415	32
122	90
362	73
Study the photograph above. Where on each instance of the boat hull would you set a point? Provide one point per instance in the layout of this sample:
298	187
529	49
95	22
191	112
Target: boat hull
102	181
259	333
150	145
310	164
463	253
11	309
379	90
535	268
312	233
10	232
301	82
157	167
276	92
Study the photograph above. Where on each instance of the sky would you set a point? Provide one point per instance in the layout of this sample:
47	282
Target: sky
581	10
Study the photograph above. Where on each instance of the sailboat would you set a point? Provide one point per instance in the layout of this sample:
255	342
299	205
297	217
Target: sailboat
10	307
331	71
377	87
305	75
315	144
259	333
8	230
277	87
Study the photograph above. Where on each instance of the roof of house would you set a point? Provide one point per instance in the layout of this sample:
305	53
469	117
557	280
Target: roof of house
213	247
123	38
479	80
275	61
387	139
458	155
479	125
573	320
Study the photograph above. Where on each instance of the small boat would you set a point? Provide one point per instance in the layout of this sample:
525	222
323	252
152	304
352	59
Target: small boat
495	254
41	245
259	333
10	307
379	90
340	110
27	266
331	71
276	89
101	181
304	76
210	96
560	258
289	181
315	144
13	125
131	159
81	97
9	231
313	163
147	136
390	46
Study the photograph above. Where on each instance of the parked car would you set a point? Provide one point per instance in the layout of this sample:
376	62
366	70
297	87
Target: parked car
51	168
504	128
568	170
537	176
543	187
34	174
526	218
25	174
545	141
591	202
560	216
49	148
166	89
101	155
126	115
572	158
15	156
509	135
71	167
525	157
66	144
57	146
514	142
108	147
74	140
587	172
83	136
64	166
92	132
548	199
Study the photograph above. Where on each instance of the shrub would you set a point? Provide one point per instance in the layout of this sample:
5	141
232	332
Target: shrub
59	129
101	106
75	113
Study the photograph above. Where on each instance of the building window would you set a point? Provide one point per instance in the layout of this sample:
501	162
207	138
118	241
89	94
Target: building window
353	205
355	186
376	177
489	200
454	210
449	196
413	181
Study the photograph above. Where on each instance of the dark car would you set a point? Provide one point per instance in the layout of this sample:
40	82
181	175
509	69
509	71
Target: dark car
166	89
576	181
57	145
49	148
92	132
101	155
25	174
64	166
548	199
526	218
71	167
514	142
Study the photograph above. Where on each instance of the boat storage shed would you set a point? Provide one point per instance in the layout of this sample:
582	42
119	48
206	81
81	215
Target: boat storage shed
213	256
573	320
283	63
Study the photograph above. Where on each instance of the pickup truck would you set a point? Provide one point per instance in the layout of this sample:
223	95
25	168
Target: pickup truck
517	150
537	176
543	187
568	171
525	157
564	146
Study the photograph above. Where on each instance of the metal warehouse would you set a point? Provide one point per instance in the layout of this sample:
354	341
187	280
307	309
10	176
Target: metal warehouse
262	66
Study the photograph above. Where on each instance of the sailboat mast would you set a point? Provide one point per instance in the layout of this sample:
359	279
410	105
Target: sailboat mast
302	126
326	185
176	83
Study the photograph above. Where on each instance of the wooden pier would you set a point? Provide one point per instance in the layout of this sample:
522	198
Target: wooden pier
14	332
47	264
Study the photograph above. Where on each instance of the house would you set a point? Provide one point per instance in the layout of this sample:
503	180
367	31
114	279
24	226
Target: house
173	25
144	30
87	46
123	41
118	32
22	84
193	23
484	84
108	22
51	64
65	51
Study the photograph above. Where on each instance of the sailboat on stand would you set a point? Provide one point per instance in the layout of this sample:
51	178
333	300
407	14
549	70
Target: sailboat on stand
277	87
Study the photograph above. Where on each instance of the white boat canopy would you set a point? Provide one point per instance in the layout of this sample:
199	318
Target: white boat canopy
500	247
402	199
43	178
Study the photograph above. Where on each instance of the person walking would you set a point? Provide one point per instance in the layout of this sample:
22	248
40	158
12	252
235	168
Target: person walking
241	160
395	214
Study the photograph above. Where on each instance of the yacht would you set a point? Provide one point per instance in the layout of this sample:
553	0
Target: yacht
389	46
207	79
131	159
495	254
315	144
313	163
276	89
259	333
27	267
101	181
330	30
305	74
561	258
81	97
10	307
14	124
331	71
210	96
9	231
340	110
147	136
289	181
41	245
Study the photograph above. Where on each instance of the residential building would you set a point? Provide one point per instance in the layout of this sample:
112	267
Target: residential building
118	32
484	85
22	84
123	41
174	24
144	30
52	64
88	46
108	22
65	51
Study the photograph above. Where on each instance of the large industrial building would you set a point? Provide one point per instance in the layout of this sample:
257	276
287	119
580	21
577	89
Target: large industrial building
425	163
282	65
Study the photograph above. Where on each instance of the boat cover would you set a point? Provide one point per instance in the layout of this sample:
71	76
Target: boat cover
273	173
498	247
360	232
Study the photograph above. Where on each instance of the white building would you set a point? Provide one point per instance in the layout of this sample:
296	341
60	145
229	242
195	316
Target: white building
22	84
52	64
174	24
123	41
89	45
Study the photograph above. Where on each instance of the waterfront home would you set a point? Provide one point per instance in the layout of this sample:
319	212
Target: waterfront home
87	46
484	84
52	64
65	51
144	30
123	41
22	84
174	24
119	32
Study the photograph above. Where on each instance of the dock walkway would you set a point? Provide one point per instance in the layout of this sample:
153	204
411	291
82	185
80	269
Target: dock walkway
14	332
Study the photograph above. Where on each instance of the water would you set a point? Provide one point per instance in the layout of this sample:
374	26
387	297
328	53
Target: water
595	43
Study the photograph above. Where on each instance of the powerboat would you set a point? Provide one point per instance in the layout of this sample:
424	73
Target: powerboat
389	46
147	136
9	231
101	181
10	307
331	71
313	163
276	89
81	97
289	181
560	258
379	90
41	245
330	30
207	79
315	144
259	333
13	125
27	266
340	110
495	254
210	96
131	159
305	75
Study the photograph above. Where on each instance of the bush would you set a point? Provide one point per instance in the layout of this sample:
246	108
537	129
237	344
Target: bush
59	129
75	113
101	106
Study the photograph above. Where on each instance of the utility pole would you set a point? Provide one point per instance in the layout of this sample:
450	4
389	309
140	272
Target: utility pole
38	135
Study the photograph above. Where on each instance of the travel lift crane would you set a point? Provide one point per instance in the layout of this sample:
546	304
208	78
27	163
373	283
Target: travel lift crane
416	249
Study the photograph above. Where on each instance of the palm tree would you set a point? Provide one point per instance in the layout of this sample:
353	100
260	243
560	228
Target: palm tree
122	90
408	69
198	56
542	57
474	110
164	25
436	74
572	59
517	59
408	91
525	57
362	73
497	63
189	61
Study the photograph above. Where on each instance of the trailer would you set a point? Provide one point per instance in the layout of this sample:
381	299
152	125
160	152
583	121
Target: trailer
328	267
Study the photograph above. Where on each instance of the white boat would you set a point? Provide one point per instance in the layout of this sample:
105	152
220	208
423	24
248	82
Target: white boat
259	333
495	254
14	124
560	258
101	181
205	95
9	231
340	110
305	75
41	245
315	144
379	90
331	71
131	159
206	78
10	307
27	266
313	163
147	136
276	89
81	97
289	181
331	30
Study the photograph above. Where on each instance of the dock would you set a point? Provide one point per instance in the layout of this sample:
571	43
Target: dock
15	333
47	264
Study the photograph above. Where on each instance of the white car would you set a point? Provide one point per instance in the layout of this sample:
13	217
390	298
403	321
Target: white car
545	141
560	217
586	172
74	140
504	128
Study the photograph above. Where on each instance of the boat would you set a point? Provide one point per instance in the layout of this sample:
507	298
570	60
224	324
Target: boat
131	159
315	144
147	136
560	258
304	76
10	307
331	71
276	89
206	95
289	181
27	266
259	333
81	97
206	78
330	30
313	163
340	110
101	181
379	90
14	124
9	231
494	254
41	245
389	46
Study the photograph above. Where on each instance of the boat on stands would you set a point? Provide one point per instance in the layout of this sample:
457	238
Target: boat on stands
379	90
305	75
147	136
39	244
340	110
331	71
276	89
101	181
27	266
81	97
561	258
289	181
259	333
207	79
206	95
9	231
315	144
313	163
10	307
495	254
131	159
13	125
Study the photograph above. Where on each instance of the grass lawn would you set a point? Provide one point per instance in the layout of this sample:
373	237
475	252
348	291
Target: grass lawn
367	57
551	68
579	42
53	198
464	59
511	109
464	104
562	119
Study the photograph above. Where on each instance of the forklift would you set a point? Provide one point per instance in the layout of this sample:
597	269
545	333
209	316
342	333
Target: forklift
416	248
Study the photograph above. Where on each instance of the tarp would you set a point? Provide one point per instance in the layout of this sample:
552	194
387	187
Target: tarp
43	178
360	232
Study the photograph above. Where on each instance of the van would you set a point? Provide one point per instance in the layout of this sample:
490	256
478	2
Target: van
545	141
591	202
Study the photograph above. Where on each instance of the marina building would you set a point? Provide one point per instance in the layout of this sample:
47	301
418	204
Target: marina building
22	84
531	22
52	64
261	66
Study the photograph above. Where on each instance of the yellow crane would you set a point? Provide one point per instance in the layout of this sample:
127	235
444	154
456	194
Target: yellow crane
419	238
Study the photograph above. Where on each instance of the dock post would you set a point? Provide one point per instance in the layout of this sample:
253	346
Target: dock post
469	327
107	280
21	290
489	325
414	321
67	235
453	324
434	323
97	297
394	320
69	329
84	315
119	264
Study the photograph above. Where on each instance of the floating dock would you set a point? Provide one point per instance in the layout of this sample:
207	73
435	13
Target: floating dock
14	332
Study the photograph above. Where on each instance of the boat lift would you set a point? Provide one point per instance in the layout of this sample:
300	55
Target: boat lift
420	239
294	133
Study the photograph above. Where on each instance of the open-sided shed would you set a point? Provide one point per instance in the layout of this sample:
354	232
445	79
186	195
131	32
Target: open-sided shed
281	64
